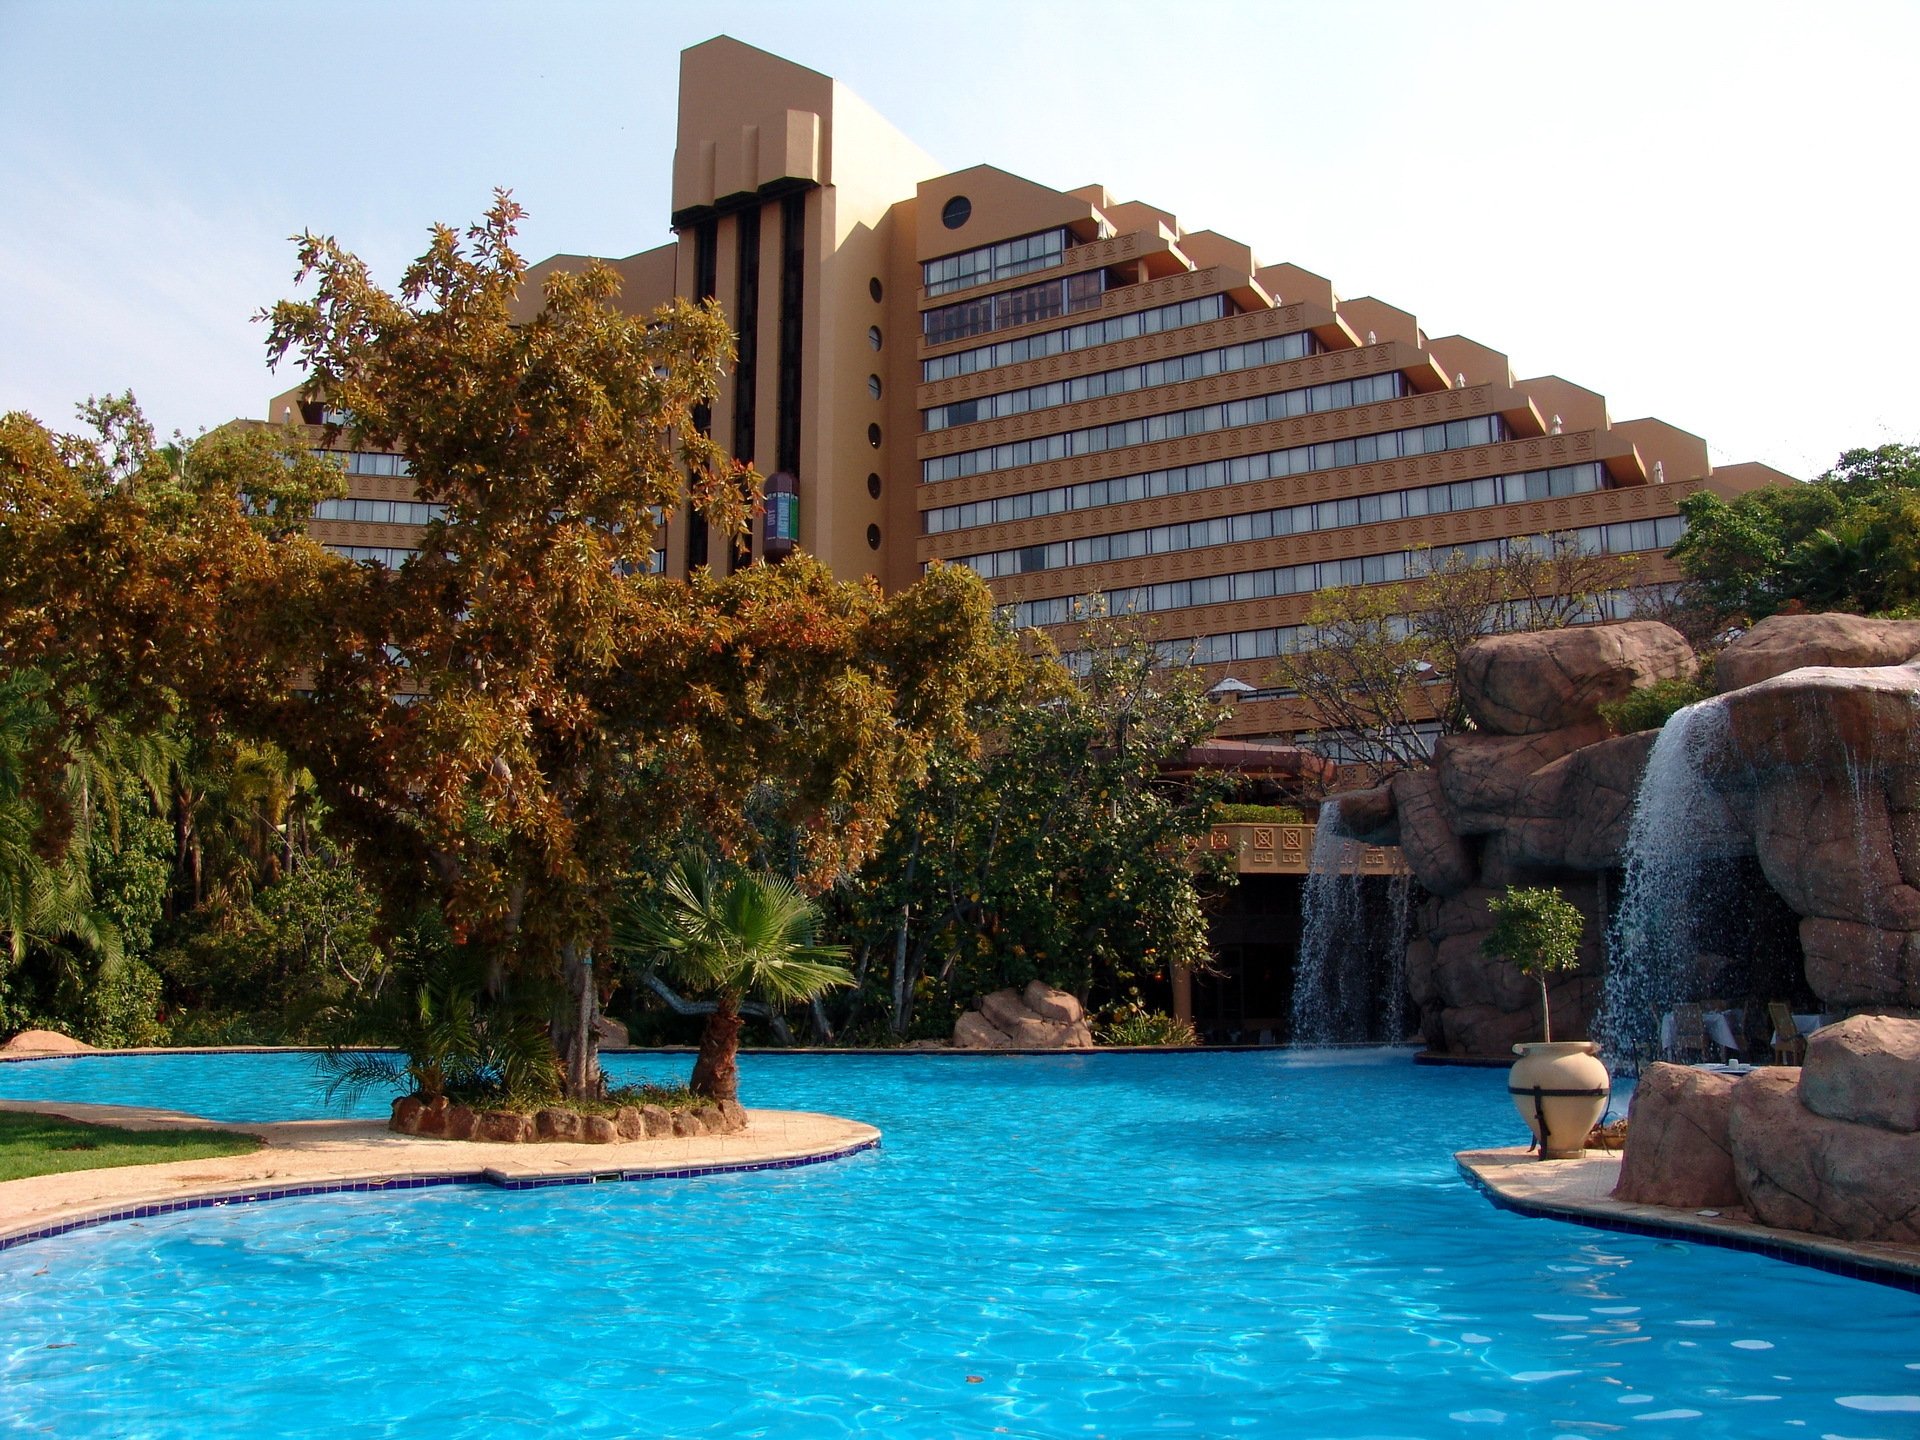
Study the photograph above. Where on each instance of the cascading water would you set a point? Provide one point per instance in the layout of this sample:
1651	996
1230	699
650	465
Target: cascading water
1393	995
1350	985
1330	984
1679	826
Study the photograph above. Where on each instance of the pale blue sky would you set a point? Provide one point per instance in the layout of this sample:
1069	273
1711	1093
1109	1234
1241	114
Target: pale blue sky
1706	211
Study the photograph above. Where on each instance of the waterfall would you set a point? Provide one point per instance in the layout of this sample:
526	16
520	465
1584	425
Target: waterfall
1335	999
1393	994
1679	826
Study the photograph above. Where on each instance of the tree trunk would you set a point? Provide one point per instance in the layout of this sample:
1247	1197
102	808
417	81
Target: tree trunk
1546	1020
902	991
716	1074
579	1047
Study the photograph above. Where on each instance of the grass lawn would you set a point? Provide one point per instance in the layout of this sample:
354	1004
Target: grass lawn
44	1145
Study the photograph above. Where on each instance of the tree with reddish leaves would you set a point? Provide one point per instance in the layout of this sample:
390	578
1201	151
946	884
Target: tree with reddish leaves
502	723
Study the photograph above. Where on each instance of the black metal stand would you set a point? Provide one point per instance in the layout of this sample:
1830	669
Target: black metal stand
1540	1108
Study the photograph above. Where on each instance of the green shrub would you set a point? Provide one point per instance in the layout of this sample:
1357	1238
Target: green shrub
1258	815
122	1009
667	1097
216	1029
1651	706
1147	1027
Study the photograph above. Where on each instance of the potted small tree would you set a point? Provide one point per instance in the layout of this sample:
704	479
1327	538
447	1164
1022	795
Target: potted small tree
1560	1088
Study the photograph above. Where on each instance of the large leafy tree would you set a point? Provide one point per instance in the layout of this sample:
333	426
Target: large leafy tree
500	723
1849	540
1058	851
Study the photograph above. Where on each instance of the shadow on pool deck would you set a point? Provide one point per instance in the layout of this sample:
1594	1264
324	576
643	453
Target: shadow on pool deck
1582	1191
304	1157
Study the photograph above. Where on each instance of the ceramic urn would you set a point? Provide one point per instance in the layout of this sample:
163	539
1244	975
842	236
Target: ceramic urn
1564	1083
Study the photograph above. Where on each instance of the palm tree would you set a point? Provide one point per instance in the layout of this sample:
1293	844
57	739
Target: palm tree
46	901
741	934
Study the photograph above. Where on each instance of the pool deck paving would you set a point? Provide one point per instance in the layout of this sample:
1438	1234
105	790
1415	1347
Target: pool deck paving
1582	1191
313	1156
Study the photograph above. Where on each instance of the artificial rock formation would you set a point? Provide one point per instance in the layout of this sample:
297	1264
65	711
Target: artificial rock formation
45	1042
1539	794
1865	1069
1793	642
1546	680
1678	1150
439	1118
1832	1148
1817	777
1037	1018
1802	1171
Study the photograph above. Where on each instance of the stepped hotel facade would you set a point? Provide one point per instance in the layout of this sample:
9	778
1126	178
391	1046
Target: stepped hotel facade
1072	394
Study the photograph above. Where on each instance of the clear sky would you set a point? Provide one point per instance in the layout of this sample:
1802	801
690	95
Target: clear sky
1705	211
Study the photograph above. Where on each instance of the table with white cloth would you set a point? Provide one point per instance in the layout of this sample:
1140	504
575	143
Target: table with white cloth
1718	1024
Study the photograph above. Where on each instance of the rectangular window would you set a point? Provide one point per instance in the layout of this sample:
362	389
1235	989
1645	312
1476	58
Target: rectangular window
994	262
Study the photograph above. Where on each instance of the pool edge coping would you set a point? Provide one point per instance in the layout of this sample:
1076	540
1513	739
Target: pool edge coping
1863	1260
225	1191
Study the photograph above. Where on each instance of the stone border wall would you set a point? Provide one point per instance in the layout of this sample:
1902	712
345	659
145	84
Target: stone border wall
441	1119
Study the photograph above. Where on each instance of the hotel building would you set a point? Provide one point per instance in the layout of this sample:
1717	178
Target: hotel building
1073	394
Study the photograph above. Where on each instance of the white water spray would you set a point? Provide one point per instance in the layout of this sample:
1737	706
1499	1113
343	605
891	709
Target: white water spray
1680	826
1336	997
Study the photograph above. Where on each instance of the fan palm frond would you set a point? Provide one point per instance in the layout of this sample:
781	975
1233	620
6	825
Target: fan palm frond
748	934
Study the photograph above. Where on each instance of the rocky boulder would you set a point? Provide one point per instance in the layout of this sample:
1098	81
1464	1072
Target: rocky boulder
1865	1069
1485	1029
554	1124
610	1034
1438	857
1368	816
503	1127
1792	642
1837	724
1852	965
1531	683
1039	1018
45	1042
1592	790
1678	1151
1828	852
1490	781
1802	1171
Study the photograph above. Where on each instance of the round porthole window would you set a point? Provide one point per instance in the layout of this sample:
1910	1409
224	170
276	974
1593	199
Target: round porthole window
956	212
873	537
873	486
873	336
873	386
873	289
873	436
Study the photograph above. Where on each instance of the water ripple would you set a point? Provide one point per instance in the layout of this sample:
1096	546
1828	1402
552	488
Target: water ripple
1107	1246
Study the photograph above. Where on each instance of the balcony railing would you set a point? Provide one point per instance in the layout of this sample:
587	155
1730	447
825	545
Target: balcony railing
1287	849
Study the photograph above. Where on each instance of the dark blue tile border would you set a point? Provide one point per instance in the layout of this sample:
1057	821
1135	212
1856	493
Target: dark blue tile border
142	1211
1852	1267
1409	1050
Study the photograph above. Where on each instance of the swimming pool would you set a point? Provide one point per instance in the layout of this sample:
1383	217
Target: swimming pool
1093	1246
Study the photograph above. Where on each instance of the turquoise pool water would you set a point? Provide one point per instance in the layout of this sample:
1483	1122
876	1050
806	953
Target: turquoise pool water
1099	1246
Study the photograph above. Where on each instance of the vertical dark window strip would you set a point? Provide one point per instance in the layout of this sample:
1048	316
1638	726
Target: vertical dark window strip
706	259
706	267
746	376
793	254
